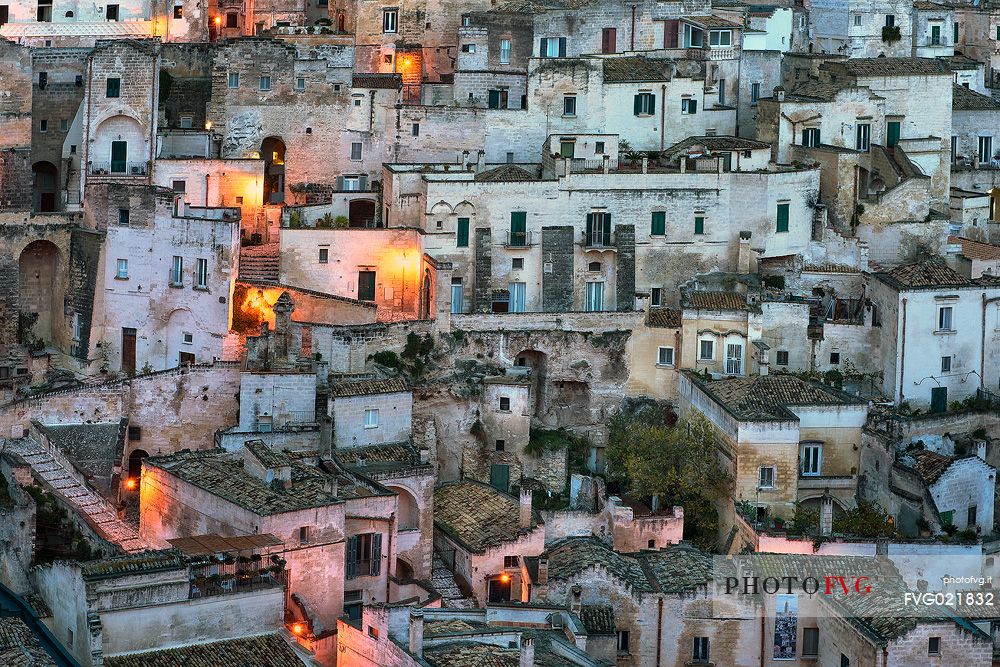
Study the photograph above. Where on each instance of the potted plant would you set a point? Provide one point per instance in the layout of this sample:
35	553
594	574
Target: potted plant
924	527
779	523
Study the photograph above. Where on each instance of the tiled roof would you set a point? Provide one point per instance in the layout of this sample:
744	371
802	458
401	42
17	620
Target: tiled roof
765	397
572	556
598	619
384	81
93	447
222	474
379	458
507	173
928	273
667	318
964	99
19	647
267	456
260	651
471	654
923	5
976	249
107	29
711	21
451	626
681	567
635	69
830	268
814	90
893	66
137	563
368	387
930	465
715	144
477	515
714	300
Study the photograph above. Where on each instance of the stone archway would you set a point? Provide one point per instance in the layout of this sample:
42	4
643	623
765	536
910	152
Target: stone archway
272	150
39	310
45	187
135	463
408	514
361	213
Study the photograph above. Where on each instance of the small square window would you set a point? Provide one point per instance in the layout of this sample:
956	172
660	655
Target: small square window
415	129
234	79
356	150
468	48
945	364
336	87
300	83
569	105
655	296
651	544
622	637
517	263
113	87
706	350
112	12
232	20
239	201
303	534
135	433
187	122
765	477
835	357
505	403
500	445
934	646
357	101
373	632
599	148
188	339
510	562
123	217
121	272
665	356
178	186
782	358
265	83
371	418
309	130
179	11
324	255
43	125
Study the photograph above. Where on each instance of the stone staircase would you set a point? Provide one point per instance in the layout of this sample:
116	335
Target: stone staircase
259	264
59	475
444	583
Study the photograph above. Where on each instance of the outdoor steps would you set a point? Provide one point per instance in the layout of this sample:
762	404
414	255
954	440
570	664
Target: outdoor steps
444	583
258	268
64	482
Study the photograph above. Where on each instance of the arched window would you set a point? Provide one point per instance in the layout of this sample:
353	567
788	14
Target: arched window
594	266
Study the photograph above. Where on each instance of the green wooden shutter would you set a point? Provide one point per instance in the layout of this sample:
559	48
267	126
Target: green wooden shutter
637	105
463	233
658	225
782	217
699	224
493	99
518	227
954	41
590	229
376	554
892	132
352	558
543	48
562	47
607	229
694	106
652	103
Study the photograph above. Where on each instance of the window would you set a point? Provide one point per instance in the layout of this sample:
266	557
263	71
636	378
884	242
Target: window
265	83
511	562
689	106
352	183
112	12
863	135
595	297
754	93
567	148
373	632
497	98
835	357
945	364
782	357
517	263
135	433
466	21
599	148
970	517
366	285
364	555
935	35
187	122
178	186
234	79
655	296
699	225
500	445
720	38
300	83
389	20
303	534
188	338
201	274
810	137
232	20
122	269
505	404
569	105
857	19
623	640
651	544
782	223
463	233
700	649
324	255
609	40
706	350
352	605
811	459
934	645
892	132
357	100
179	11
810	642
355	150
734	359
468	48
518	226
113	87
658	223
890	20
177	271
644	104
371	418
69	637
5	14
594	267
552	47
944	318
456	295
693	37
504	51
123	215
844	661
44	14
665	356
515	297
985	149
765	477
415	129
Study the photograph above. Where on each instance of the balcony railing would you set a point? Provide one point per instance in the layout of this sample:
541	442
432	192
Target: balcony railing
225	578
518	239
599	240
116	168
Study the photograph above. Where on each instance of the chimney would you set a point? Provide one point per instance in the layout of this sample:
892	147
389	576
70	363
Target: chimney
330	484
416	633
779	93
465	159
981	449
576	601
543	571
525	508
743	258
606	163
825	515
527	652
481	162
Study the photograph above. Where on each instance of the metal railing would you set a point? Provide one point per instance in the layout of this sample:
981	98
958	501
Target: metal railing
518	239
598	239
224	578
116	168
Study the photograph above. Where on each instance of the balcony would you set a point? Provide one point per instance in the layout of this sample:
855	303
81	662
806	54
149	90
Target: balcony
119	169
518	240
236	576
827	482
599	240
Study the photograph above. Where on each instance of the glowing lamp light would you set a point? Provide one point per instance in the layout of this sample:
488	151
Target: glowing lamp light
505	578
218	20
407	61
130	483
208	125
298	629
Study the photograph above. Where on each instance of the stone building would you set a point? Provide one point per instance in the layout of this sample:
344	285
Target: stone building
961	488
974	141
862	28
16	177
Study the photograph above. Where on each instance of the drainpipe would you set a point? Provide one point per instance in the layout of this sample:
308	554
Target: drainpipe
902	351
632	36
206	190
85	171
663	114
659	629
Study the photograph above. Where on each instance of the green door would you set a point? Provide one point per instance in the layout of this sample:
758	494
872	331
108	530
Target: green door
892	134
500	476
939	399
119	156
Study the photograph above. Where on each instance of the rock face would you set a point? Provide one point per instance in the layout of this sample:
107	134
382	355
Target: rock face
243	134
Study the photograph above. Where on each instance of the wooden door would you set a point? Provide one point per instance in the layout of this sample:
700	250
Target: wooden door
128	350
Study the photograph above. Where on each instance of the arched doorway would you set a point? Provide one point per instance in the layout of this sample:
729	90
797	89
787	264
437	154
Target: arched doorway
408	513
38	306
181	338
45	184
426	296
362	213
135	463
272	150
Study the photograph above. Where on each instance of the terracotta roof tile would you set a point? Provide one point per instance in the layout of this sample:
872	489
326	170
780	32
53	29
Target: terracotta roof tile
930	465
678	568
710	21
766	397
382	81
667	318
368	387
714	144
598	619
976	249
714	300
19	647
635	69
477	515
270	650
507	173
137	563
928	273
570	557
893	66
964	99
